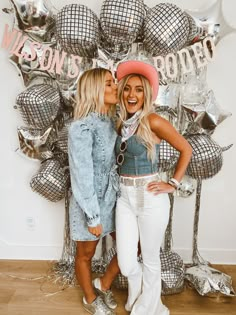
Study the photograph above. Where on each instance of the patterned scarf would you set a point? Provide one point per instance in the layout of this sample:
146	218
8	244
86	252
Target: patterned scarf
130	126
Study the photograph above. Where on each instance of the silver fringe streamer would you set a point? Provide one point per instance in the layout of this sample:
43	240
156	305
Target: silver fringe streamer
168	233
200	275
172	266
196	257
64	269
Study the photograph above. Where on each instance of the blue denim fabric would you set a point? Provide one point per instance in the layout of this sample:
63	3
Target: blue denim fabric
94	178
136	161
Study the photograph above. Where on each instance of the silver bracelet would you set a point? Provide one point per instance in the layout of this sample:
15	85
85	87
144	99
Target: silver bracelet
173	182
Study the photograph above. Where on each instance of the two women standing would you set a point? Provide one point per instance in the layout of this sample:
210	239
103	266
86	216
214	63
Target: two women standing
143	208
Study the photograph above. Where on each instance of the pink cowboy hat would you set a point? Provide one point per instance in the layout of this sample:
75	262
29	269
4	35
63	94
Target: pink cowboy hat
139	67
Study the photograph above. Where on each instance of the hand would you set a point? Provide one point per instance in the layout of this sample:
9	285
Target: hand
97	230
160	187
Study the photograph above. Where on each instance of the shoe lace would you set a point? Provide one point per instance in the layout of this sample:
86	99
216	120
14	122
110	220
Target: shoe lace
109	295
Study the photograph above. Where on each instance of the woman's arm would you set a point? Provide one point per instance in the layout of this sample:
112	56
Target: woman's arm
80	146
165	131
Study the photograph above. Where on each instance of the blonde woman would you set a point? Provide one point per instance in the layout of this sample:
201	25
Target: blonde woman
143	209
94	183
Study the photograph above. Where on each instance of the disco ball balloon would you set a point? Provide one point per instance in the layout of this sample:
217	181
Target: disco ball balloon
168	157
122	20
77	30
39	105
50	181
166	29
207	157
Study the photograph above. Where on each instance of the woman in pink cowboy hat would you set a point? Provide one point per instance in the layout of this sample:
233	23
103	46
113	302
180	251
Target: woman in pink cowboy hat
142	211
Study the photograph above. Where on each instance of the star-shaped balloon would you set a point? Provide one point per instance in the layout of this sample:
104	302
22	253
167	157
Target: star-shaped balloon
208	114
34	17
212	22
207	280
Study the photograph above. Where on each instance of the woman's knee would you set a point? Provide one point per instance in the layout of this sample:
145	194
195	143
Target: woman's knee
85	253
128	267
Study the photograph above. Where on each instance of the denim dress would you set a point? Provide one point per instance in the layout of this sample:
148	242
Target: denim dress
94	178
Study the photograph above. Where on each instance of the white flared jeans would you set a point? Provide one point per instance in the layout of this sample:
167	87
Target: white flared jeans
141	216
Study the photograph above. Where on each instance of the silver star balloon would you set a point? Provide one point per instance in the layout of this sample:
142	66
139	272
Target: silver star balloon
208	114
209	281
212	22
34	17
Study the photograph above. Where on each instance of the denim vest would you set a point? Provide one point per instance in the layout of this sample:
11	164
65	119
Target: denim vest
136	161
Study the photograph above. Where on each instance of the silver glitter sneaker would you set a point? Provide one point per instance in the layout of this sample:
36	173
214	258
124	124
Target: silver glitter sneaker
97	307
106	295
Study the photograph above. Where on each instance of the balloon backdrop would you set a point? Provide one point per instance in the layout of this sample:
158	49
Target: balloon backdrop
51	50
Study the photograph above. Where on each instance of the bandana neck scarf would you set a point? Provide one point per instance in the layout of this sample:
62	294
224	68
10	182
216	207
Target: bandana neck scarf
130	126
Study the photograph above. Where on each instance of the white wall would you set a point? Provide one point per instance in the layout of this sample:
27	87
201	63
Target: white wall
18	204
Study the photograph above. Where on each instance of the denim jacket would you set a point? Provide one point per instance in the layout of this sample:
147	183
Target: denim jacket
94	178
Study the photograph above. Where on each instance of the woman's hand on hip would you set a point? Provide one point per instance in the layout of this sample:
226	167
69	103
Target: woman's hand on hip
160	187
97	230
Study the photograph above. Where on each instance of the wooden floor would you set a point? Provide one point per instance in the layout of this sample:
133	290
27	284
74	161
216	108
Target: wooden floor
21	296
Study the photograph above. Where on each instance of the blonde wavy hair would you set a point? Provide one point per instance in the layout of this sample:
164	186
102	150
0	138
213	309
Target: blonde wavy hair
90	93
144	132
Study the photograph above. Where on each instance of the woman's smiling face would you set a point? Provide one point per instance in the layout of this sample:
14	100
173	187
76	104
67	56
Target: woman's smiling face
133	95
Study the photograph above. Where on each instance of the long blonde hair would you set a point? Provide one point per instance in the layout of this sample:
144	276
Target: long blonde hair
90	93
144	131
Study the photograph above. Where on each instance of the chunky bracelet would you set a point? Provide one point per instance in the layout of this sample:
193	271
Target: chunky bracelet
173	182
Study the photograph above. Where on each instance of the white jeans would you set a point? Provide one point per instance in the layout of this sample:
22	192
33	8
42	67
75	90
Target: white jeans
140	215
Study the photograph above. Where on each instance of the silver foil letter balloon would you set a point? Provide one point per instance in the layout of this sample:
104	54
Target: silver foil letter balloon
166	29
77	30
